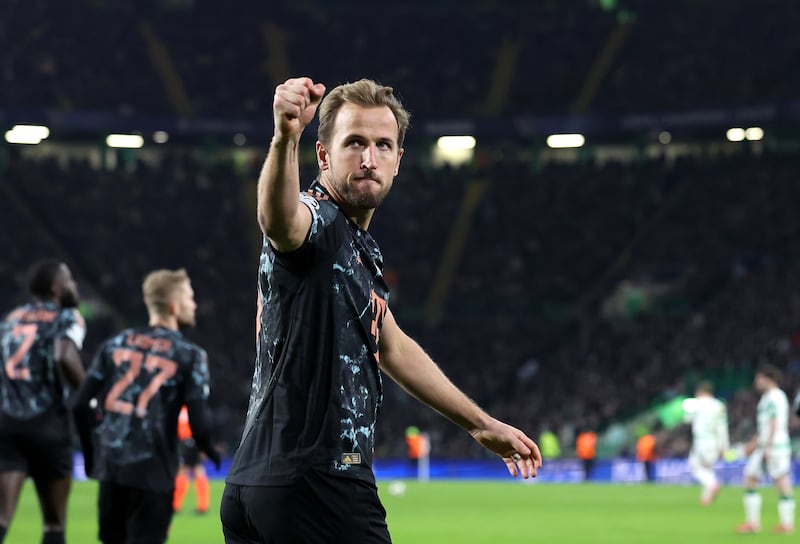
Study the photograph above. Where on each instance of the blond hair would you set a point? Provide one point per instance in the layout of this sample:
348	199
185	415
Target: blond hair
159	287
365	93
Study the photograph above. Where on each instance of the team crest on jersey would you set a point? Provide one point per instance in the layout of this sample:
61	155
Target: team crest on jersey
351	458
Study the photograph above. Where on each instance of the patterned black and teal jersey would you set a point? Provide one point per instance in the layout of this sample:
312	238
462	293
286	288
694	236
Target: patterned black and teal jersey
316	389
141	378
30	382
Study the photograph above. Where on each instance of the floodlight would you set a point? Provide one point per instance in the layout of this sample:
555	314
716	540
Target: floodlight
754	134
453	143
735	134
129	141
27	134
559	141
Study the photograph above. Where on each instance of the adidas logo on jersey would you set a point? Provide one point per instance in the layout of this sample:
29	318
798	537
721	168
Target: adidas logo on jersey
351	458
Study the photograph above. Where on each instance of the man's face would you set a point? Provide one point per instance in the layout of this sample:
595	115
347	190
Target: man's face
185	305
65	288
362	159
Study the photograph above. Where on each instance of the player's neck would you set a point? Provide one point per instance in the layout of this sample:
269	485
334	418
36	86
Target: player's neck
166	321
361	217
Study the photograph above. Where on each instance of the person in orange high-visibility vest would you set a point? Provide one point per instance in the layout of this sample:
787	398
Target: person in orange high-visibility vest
586	451
417	446
191	464
646	453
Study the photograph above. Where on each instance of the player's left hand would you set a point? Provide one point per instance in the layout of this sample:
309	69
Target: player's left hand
520	454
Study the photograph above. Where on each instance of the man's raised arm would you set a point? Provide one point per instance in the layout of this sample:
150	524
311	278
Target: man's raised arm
282	217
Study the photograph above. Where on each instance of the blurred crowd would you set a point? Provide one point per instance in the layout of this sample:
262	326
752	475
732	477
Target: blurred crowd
717	236
584	293
524	327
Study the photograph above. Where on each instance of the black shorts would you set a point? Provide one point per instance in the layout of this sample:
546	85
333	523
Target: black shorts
40	447
133	516
318	508
188	453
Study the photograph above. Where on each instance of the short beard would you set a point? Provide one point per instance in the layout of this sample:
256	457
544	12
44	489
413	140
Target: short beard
363	200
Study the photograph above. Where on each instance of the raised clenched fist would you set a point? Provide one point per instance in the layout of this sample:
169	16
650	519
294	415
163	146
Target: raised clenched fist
294	105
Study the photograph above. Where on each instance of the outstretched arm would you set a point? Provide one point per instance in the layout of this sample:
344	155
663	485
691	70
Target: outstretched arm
282	217
408	365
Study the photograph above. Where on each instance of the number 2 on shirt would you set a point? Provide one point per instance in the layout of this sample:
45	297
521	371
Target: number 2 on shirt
166	369
28	333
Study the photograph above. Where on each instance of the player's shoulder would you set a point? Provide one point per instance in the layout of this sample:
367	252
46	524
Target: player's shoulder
181	341
188	350
117	340
777	393
193	360
35	311
71	316
773	397
70	324
196	349
323	207
171	341
126	333
14	314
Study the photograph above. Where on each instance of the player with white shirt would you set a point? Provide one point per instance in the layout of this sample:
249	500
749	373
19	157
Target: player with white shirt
709	440
770	448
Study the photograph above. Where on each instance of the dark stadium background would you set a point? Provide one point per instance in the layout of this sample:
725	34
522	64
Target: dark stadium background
560	288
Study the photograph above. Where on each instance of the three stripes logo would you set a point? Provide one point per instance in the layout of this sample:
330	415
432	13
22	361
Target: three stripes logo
351	458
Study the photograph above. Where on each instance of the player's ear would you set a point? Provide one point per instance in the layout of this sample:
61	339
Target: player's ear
397	164
323	159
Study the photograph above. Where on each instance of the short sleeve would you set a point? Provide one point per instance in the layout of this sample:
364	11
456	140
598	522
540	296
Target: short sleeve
74	326
312	204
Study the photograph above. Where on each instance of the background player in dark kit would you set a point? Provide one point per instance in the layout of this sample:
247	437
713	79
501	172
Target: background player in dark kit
140	378
39	352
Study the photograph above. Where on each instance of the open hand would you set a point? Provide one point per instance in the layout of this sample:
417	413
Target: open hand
520	454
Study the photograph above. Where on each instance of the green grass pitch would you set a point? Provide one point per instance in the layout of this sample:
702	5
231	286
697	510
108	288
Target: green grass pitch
482	512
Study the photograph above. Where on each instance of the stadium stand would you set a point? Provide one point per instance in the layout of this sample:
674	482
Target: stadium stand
535	318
